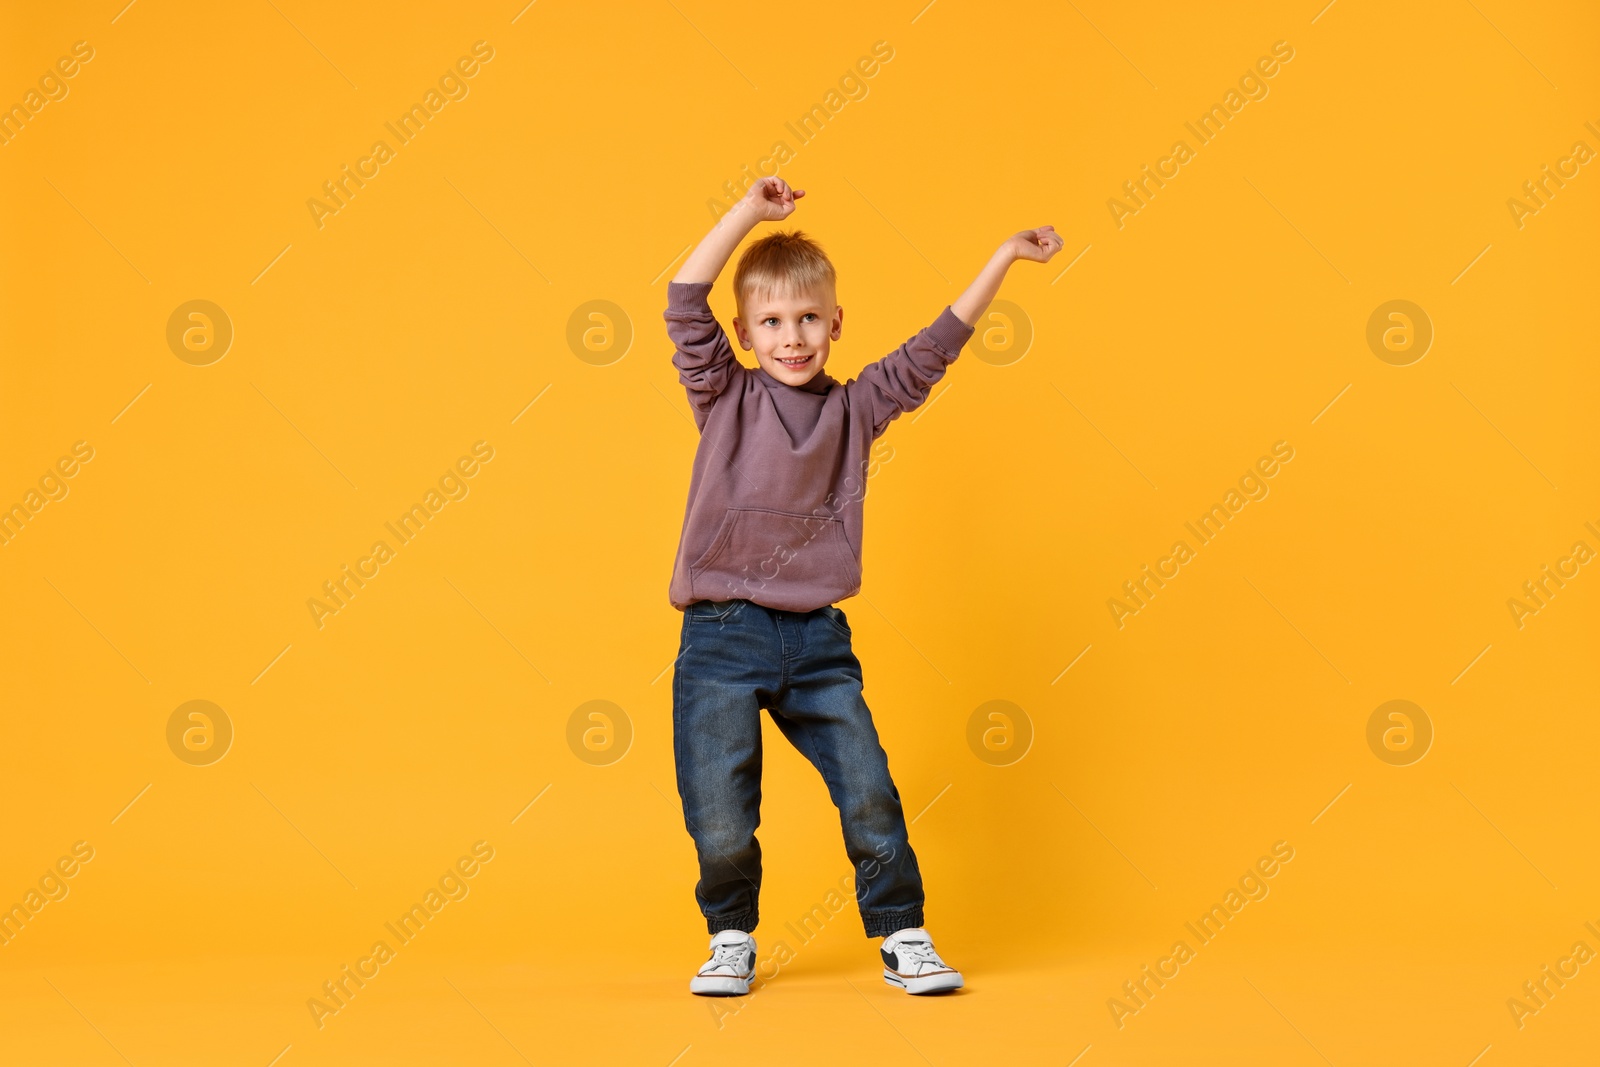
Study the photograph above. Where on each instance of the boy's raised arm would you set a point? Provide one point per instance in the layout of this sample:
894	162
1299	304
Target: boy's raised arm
704	358
902	380
768	200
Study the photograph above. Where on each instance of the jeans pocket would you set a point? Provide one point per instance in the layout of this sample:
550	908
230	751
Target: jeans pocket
840	621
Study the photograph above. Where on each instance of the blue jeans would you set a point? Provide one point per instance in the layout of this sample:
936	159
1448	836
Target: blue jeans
737	657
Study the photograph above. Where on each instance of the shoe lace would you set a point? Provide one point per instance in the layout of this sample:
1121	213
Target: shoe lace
913	954
730	956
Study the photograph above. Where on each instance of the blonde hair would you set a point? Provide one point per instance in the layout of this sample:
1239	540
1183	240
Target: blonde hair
782	262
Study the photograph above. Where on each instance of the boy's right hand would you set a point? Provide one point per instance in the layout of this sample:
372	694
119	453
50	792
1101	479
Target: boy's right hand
770	200
1035	245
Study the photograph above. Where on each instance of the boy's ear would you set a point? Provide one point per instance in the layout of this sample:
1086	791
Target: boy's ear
838	321
740	332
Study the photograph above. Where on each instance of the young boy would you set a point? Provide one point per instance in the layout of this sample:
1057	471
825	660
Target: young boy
771	538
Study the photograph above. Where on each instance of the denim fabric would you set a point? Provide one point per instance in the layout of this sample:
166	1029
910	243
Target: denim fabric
736	658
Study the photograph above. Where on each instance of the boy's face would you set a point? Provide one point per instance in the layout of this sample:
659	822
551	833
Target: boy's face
791	333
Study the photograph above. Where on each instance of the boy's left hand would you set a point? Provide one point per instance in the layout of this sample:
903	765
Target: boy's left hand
1036	245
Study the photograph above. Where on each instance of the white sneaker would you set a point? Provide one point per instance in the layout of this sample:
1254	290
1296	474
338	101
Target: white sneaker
731	966
910	963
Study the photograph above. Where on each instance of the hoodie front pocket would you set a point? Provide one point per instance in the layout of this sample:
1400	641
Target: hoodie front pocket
756	547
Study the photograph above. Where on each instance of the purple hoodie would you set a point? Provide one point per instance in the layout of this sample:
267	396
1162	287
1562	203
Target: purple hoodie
774	511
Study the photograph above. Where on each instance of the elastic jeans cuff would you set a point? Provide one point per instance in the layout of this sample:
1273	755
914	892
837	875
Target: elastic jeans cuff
884	923
746	923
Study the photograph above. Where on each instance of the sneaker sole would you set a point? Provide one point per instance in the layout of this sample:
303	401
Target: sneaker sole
719	986
933	983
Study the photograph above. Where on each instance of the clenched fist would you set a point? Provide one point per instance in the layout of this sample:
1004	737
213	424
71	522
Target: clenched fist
771	200
1036	245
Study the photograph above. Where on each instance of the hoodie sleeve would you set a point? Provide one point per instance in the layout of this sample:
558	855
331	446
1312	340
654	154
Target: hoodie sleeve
902	380
704	358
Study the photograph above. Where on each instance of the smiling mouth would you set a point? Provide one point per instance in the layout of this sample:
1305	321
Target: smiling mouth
797	361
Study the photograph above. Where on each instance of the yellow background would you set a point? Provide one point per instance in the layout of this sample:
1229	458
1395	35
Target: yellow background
425	716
